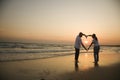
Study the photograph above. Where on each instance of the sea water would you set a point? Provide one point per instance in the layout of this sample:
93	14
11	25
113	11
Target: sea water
16	51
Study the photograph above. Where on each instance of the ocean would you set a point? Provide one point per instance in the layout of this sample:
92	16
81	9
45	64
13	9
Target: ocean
17	51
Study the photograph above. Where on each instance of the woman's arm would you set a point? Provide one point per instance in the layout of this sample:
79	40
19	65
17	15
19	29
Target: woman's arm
90	45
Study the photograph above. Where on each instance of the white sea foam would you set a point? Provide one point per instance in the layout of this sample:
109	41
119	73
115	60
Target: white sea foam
14	51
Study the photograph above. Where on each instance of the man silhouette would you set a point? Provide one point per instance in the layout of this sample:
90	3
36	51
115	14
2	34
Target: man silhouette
78	43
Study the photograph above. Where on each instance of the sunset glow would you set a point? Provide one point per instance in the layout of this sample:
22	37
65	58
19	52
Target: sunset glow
59	20
86	42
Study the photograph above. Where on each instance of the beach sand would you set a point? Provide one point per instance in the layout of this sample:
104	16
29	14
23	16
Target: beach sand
63	68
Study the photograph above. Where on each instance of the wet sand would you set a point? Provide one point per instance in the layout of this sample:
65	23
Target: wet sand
63	68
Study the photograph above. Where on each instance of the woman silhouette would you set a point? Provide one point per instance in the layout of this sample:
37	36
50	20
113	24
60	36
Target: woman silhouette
96	48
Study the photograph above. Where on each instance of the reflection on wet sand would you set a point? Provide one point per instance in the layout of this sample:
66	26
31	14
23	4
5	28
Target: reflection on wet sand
84	67
96	65
76	67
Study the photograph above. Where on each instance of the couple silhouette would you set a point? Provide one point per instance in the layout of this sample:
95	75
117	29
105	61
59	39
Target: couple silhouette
78	43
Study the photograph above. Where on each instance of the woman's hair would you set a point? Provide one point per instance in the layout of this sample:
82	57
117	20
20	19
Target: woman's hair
94	36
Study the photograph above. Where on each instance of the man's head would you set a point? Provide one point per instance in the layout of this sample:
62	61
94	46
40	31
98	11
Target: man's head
80	34
93	35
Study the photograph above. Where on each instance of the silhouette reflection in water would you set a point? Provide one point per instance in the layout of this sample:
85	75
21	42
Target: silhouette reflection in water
96	65
76	66
84	68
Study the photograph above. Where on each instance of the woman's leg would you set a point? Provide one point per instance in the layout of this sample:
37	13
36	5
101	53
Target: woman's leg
95	57
96	54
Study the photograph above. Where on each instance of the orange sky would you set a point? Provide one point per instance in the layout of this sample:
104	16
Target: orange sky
60	20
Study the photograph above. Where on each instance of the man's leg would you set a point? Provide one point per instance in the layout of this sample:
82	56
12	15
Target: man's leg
76	54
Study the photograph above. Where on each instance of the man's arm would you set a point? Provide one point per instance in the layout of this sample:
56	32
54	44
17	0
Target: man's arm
85	35
83	46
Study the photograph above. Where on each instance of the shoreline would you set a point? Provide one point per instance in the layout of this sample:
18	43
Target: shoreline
63	68
45	57
38	54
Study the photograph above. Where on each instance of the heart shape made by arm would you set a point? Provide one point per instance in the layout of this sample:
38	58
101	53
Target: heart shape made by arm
86	40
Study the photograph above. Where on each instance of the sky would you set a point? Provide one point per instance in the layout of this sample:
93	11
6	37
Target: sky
59	20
